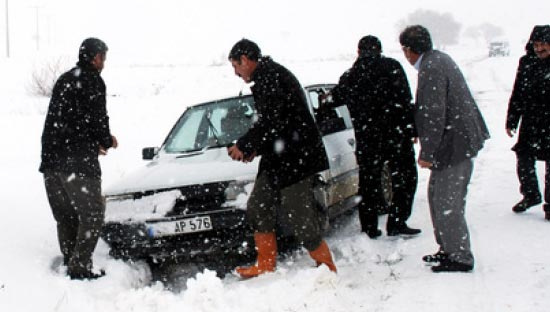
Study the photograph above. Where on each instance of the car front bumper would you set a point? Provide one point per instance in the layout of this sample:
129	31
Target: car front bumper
228	237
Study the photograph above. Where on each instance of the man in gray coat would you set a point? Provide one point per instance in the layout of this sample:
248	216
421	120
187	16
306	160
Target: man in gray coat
451	132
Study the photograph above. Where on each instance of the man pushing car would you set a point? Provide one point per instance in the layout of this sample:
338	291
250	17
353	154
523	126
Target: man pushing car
286	137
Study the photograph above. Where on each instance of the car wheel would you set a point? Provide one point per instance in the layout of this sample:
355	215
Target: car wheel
172	274
118	251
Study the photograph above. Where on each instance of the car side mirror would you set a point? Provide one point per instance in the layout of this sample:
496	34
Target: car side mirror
149	153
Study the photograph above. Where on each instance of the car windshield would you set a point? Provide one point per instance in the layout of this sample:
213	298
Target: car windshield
211	125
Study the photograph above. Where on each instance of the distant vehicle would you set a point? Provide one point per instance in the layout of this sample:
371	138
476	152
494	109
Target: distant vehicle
187	205
499	48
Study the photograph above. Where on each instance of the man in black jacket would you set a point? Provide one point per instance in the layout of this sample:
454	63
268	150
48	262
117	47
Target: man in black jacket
530	103
378	95
287	138
76	131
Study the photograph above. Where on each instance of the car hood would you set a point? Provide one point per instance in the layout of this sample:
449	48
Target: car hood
172	171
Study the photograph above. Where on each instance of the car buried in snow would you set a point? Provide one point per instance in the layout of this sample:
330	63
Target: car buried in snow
187	204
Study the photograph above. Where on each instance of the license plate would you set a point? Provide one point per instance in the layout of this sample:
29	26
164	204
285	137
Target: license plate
181	226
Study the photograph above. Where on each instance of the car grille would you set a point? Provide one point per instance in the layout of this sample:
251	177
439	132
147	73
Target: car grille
199	199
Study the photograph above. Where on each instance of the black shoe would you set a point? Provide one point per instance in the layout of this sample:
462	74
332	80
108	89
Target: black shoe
452	266
86	275
405	230
547	215
525	204
374	233
436	257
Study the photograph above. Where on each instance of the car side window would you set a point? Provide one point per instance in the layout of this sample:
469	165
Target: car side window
329	120
343	113
236	121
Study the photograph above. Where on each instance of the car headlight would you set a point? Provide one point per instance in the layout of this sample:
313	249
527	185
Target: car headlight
238	188
128	208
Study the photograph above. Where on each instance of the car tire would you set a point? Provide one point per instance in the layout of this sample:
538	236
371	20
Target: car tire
174	275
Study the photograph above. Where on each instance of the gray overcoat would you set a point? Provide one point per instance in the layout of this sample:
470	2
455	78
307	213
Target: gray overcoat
450	126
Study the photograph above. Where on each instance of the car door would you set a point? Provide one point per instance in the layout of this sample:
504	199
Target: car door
340	183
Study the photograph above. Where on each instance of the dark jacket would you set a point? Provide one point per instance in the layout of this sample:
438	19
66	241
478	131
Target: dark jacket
285	134
76	124
378	95
530	103
449	124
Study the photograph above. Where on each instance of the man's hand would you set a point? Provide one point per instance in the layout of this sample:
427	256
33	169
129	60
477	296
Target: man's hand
323	97
324	100
510	132
235	153
424	164
115	142
103	150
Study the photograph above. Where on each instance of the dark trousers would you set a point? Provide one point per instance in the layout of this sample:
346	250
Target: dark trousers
404	179
527	174
292	209
78	209
403	175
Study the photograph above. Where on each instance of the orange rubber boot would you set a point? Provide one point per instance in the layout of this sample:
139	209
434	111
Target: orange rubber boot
322	256
266	246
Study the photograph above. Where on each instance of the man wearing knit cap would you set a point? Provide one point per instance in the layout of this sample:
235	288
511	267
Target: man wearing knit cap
530	103
377	93
76	131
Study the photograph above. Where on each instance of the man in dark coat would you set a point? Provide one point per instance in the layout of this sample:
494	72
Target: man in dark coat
451	131
76	131
530	103
378	95
287	138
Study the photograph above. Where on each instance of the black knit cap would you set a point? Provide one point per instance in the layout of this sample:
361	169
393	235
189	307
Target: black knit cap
370	45
90	48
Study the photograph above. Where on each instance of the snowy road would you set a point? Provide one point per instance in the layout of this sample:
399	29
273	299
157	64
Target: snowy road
512	254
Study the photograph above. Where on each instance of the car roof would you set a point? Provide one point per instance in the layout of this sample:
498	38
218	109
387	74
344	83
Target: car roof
319	85
246	95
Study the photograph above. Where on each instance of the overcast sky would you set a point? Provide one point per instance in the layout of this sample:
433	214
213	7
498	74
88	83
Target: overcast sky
162	31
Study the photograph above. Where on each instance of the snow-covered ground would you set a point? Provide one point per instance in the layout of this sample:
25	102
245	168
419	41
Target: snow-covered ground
511	250
145	98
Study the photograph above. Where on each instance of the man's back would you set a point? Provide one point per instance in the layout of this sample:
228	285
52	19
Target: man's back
448	120
378	95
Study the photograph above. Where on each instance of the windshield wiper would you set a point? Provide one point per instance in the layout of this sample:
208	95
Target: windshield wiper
190	153
211	126
197	151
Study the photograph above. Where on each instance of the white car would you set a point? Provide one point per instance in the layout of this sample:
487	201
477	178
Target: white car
499	48
187	204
